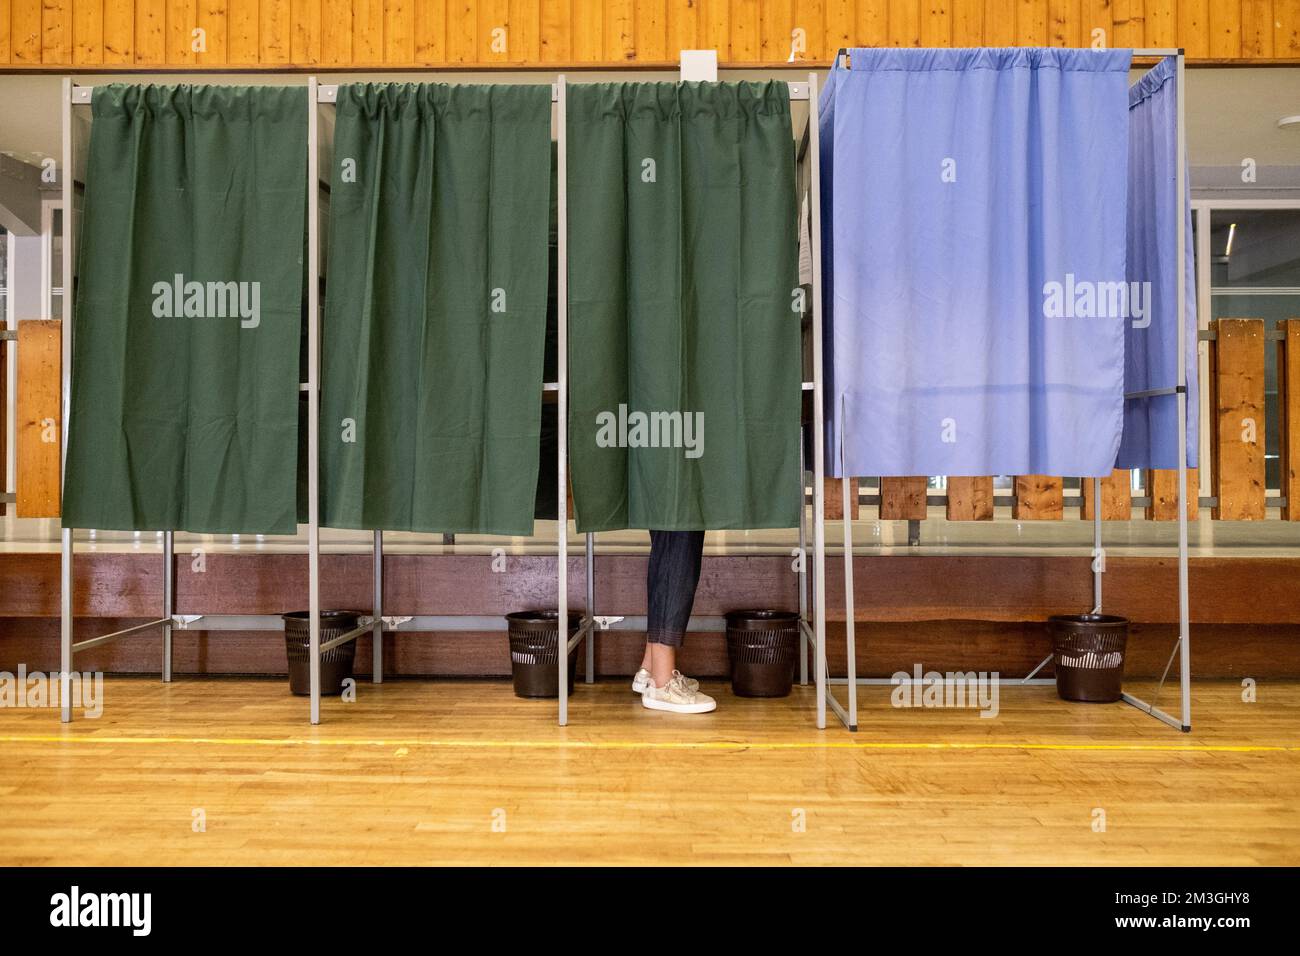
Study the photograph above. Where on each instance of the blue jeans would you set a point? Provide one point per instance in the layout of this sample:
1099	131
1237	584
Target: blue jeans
670	584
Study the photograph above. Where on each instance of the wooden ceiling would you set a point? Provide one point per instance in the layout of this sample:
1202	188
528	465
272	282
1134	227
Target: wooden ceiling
309	34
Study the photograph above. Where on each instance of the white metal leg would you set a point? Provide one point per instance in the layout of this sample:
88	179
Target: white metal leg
65	627
850	627
1096	546
169	601
591	609
1183	647
562	396
69	304
1184	610
377	631
803	562
313	396
819	418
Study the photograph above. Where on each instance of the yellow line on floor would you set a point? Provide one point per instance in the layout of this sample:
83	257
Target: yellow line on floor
645	744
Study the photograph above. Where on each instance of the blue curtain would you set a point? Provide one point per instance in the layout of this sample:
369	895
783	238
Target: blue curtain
1151	342
974	214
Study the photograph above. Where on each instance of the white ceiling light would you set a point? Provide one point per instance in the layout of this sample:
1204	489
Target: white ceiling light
1289	122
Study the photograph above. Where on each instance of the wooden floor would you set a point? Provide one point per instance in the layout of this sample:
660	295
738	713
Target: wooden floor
464	773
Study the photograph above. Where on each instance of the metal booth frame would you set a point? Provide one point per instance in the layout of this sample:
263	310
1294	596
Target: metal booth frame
1182	648
813	631
319	95
812	602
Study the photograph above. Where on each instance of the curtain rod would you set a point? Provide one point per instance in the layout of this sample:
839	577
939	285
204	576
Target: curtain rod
328	93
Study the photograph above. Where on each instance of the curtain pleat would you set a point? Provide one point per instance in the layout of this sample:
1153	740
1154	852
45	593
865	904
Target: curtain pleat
1151	345
974	219
435	307
684	348
189	311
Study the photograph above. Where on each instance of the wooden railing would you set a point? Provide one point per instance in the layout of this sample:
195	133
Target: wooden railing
1238	417
39	349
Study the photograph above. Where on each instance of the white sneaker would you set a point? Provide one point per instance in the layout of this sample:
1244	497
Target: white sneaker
641	680
676	697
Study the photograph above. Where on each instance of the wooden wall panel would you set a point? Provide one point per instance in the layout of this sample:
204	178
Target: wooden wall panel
1286	28
368	31
1224	590
462	31
873	23
833	499
1237	399
336	32
904	28
241	31
304	38
25	33
903	499
151	30
1065	23
493	34
1162	24
999	22
588	29
1129	23
341	33
1097	15
212	17
967	22
1031	23
970	499
39	417
1256	29
181	19
119	32
1225	29
56	31
1194	26
1162	489
745	31
884	648
6	49
1039	498
776	20
1116	500
1288	391
683	26
276	28
87	31
4	414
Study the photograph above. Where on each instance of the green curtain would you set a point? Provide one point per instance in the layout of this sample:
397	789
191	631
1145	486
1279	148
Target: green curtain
682	269
435	307
188	311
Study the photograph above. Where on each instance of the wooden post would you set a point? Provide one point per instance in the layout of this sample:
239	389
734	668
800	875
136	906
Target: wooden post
1116	504
1288	403
833	498
970	499
1039	498
1162	489
4	421
39	417
903	499
1238	435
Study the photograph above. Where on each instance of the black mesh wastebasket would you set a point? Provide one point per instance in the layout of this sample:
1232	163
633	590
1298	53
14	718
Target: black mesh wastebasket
535	652
335	664
1088	651
763	647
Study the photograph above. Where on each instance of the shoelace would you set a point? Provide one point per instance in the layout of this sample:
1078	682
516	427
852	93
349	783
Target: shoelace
678	683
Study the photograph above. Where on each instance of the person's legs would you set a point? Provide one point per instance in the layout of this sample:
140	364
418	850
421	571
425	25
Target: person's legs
672	578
